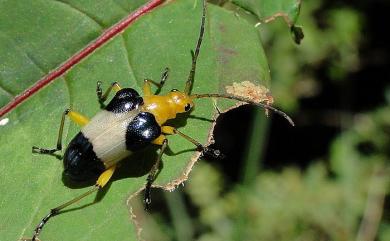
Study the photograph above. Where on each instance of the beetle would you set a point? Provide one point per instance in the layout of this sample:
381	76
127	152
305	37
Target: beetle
128	123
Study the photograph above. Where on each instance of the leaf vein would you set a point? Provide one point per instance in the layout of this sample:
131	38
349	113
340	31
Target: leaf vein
40	201
74	8
7	92
23	51
66	81
121	7
131	70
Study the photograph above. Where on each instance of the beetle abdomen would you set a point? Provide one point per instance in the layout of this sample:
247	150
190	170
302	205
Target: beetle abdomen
80	161
107	133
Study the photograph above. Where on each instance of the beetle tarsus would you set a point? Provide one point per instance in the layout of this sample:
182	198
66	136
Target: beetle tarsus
102	97
164	77
147	195
213	153
40	226
44	151
99	93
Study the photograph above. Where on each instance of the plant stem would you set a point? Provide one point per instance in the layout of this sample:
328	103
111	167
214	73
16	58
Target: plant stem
180	218
255	147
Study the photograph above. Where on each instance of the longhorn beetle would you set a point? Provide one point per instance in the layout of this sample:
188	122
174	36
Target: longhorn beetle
127	124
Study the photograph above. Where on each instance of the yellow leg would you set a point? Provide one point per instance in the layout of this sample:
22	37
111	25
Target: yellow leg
147	90
159	140
168	130
116	87
78	118
105	176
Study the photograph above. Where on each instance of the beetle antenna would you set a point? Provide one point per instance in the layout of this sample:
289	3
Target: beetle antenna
194	55
247	100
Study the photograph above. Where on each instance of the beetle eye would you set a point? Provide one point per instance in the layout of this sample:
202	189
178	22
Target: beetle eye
187	107
174	90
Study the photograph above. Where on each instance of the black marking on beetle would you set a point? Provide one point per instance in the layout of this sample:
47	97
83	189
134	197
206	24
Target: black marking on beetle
80	161
125	100
141	131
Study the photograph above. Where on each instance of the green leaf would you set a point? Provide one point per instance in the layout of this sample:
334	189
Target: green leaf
38	36
47	34
269	10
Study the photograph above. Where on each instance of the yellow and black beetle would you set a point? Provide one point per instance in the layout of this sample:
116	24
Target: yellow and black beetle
125	125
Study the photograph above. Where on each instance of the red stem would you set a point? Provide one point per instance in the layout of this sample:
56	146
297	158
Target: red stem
107	35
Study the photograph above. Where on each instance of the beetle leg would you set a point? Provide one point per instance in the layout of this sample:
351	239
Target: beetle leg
105	176
205	150
164	77
75	117
153	173
103	97
159	140
147	88
100	183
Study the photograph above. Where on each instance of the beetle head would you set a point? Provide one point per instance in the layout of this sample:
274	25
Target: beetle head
180	101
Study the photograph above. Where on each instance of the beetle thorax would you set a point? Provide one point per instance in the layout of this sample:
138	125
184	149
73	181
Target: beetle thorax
167	107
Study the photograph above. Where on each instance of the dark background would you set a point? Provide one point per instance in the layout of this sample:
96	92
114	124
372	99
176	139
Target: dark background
360	91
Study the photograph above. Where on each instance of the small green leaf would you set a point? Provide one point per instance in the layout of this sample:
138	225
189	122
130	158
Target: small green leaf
31	183
269	10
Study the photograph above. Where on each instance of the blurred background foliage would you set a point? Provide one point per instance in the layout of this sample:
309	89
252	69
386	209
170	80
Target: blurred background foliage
325	179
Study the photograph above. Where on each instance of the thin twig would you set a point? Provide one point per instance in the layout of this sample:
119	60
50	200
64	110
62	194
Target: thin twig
374	206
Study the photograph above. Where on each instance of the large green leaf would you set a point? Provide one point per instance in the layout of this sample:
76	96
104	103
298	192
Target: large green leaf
51	31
